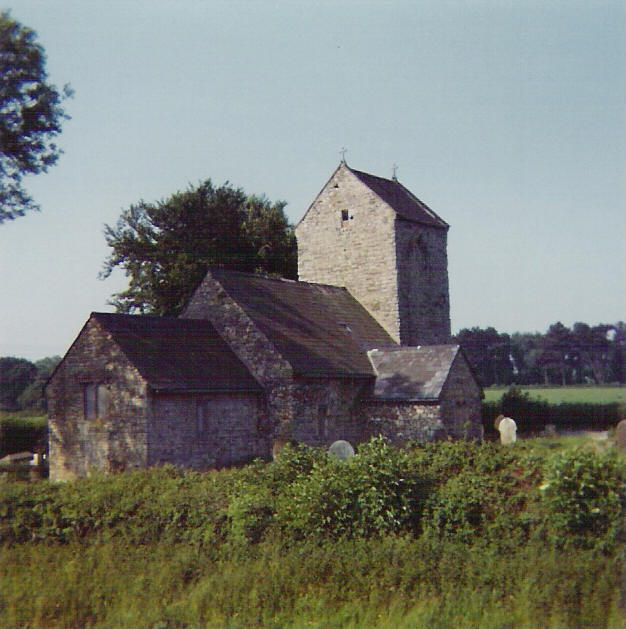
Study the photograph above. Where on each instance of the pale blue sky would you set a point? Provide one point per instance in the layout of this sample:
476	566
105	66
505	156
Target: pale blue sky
507	118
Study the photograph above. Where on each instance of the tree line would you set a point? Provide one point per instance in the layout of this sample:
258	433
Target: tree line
582	354
22	382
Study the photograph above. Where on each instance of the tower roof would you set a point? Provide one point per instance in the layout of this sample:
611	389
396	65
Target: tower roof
400	199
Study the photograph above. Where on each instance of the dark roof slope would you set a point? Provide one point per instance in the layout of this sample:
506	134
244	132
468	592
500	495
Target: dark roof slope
400	199
318	329
178	354
412	373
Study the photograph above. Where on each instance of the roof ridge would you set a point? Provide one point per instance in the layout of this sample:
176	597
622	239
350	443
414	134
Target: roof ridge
404	348
362	172
130	314
274	279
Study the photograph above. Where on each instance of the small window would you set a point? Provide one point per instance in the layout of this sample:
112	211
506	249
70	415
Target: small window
95	401
90	400
344	215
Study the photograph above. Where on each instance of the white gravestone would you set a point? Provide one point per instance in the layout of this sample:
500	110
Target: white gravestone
508	430
341	450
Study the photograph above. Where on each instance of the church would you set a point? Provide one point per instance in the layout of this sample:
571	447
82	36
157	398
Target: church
359	346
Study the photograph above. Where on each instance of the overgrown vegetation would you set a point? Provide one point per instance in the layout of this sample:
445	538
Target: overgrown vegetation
453	534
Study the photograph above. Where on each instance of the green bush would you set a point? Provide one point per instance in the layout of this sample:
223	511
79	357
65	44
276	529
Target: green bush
142	507
461	491
377	491
583	492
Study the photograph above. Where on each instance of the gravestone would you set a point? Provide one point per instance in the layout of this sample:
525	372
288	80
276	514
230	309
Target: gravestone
620	435
341	450
550	430
508	430
497	420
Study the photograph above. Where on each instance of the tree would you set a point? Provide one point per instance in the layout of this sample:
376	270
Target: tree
30	115
33	396
618	353
489	354
15	375
166	247
558	353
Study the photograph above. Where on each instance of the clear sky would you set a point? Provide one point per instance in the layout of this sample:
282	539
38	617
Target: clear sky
506	117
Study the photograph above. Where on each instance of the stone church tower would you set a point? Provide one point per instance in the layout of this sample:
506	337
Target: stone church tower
383	244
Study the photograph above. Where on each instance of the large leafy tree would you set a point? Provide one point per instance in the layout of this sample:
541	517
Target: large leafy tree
166	247
30	115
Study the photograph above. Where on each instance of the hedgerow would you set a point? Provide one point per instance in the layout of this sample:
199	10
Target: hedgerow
460	491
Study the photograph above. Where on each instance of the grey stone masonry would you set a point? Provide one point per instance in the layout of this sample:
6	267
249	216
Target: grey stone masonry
207	430
325	410
114	436
395	267
210	301
461	402
347	239
404	421
423	295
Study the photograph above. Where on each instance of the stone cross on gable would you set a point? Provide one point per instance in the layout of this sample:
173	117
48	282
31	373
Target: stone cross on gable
343	152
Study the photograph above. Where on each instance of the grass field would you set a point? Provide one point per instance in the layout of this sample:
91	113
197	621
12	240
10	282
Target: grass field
570	394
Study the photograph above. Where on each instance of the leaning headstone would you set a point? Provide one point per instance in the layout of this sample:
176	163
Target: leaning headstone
550	430
341	450
497	420
508	430
620	435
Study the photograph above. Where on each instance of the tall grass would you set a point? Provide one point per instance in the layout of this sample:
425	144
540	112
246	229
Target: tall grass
388	582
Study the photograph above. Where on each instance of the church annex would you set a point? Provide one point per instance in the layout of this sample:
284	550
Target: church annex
360	346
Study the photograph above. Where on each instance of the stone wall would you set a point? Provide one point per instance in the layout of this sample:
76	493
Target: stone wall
424	300
116	437
403	421
358	252
203	431
325	410
272	371
460	402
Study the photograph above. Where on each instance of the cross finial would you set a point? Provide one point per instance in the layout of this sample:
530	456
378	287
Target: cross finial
395	172
343	152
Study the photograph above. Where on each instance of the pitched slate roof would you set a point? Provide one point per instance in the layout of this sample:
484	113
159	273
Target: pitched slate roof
178	354
400	199
320	330
412	373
